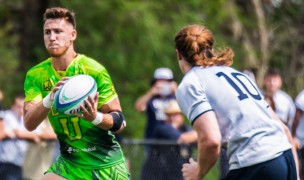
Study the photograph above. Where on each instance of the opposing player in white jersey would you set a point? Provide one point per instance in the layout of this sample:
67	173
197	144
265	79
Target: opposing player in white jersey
226	108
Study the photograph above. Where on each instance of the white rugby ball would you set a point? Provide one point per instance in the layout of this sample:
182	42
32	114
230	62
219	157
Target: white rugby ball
73	92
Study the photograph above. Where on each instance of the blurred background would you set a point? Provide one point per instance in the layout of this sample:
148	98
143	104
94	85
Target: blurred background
132	38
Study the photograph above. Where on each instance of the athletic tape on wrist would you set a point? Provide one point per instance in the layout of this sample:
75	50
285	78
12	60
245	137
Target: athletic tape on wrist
98	118
118	119
47	102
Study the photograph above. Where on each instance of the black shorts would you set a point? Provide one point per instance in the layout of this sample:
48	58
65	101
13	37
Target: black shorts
280	168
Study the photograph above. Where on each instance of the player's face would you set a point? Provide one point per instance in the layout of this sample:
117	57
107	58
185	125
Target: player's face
164	87
176	119
18	106
272	83
180	62
58	36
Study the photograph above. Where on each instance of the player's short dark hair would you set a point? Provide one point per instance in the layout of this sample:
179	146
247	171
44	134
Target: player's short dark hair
59	12
273	72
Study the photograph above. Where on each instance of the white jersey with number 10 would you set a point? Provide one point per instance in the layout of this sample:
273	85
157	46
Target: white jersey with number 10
248	131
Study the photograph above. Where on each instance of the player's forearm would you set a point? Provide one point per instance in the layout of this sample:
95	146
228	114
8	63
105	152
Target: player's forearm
188	137
108	122
141	102
296	122
2	131
208	153
34	115
295	157
2	135
22	134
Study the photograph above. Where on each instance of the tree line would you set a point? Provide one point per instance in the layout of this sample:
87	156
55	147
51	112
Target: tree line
132	38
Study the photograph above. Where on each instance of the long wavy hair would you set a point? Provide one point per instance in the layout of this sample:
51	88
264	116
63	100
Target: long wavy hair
195	43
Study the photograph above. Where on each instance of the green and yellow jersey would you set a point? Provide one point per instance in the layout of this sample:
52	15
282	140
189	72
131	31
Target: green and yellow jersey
81	143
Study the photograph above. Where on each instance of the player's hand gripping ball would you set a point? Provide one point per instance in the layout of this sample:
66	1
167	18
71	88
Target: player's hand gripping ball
73	92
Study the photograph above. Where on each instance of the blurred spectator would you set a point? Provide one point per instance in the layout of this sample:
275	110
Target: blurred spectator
162	90
174	128
165	160
281	102
298	130
1	100
2	131
13	146
39	156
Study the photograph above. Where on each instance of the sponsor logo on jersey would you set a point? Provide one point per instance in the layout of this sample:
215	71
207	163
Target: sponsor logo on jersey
47	85
89	149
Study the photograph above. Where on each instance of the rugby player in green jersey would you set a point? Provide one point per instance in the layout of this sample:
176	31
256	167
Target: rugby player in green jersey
88	148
